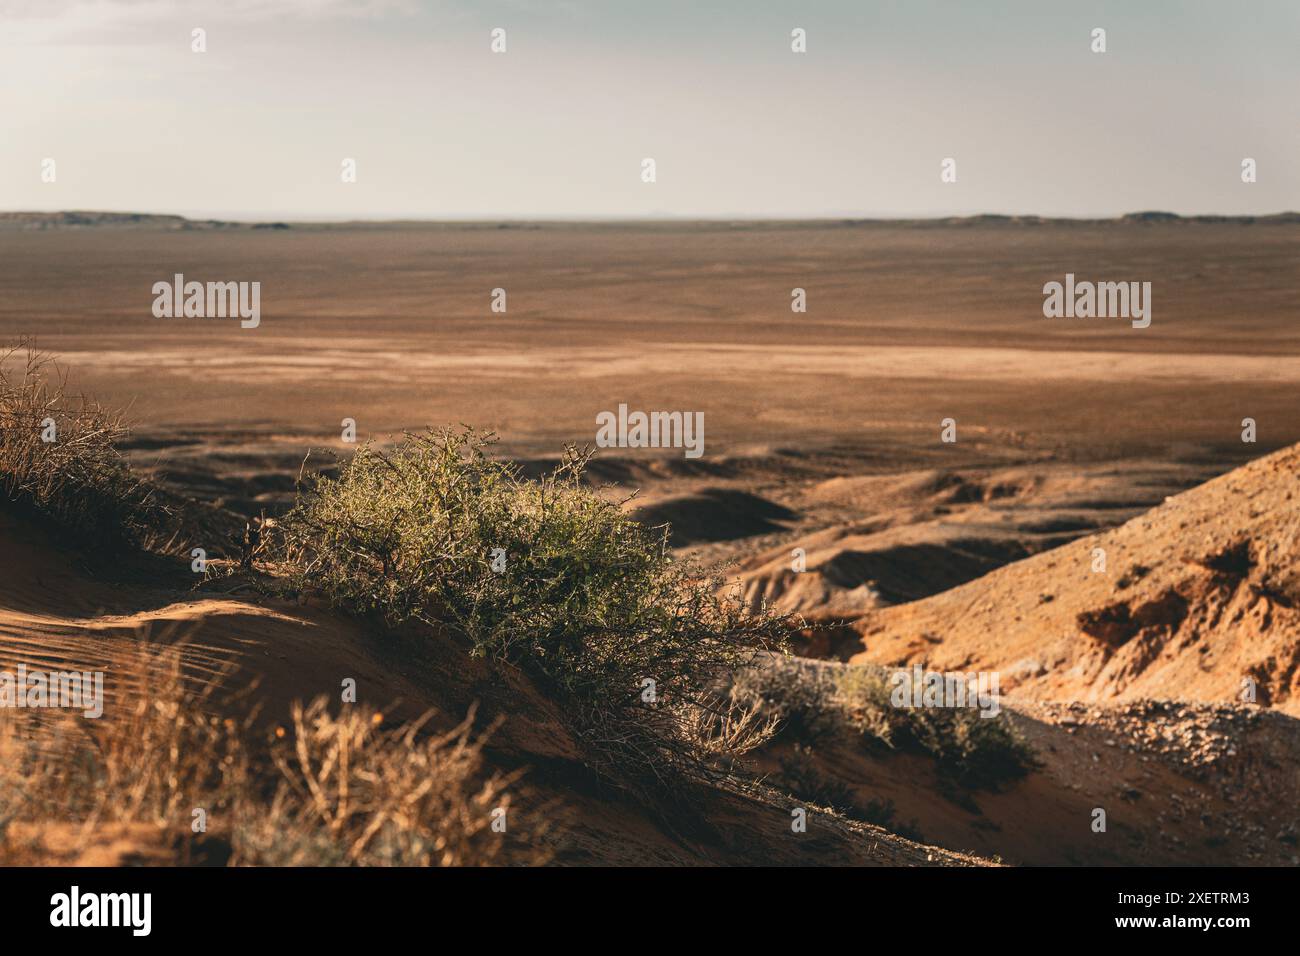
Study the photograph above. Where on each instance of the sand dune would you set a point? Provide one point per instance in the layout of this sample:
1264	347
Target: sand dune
260	655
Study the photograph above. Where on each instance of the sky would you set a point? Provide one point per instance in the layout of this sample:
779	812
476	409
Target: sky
739	126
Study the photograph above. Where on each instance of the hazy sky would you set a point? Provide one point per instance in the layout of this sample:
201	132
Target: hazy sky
739	126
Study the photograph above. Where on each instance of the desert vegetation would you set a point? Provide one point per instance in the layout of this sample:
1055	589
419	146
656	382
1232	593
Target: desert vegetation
812	704
320	789
59	458
667	680
550	576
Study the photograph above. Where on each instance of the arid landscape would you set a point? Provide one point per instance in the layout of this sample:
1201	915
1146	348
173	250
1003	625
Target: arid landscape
1159	682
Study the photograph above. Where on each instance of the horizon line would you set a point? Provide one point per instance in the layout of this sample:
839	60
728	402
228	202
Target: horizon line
1141	215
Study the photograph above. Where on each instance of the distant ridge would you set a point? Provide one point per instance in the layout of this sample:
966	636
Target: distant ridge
1146	217
79	219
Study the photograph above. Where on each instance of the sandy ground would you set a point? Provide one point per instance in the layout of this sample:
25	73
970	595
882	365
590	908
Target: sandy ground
260	654
906	325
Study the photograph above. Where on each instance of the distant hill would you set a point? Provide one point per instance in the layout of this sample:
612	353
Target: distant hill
80	219
76	219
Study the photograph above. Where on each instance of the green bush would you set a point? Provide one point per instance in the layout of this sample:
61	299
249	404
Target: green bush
589	601
811	703
969	750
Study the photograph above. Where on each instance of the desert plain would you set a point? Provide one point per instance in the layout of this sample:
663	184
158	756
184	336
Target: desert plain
824	435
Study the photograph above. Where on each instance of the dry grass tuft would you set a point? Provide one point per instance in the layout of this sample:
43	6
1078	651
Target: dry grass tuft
145	762
78	480
330	790
379	797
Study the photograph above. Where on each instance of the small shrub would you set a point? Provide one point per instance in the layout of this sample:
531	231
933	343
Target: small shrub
863	697
728	730
799	697
801	776
810	703
975	752
589	601
971	751
144	761
79	481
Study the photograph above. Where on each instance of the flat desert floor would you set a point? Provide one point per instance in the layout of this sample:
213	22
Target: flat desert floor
906	325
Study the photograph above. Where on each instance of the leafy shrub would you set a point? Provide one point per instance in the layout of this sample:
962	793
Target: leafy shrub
79	481
589	601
